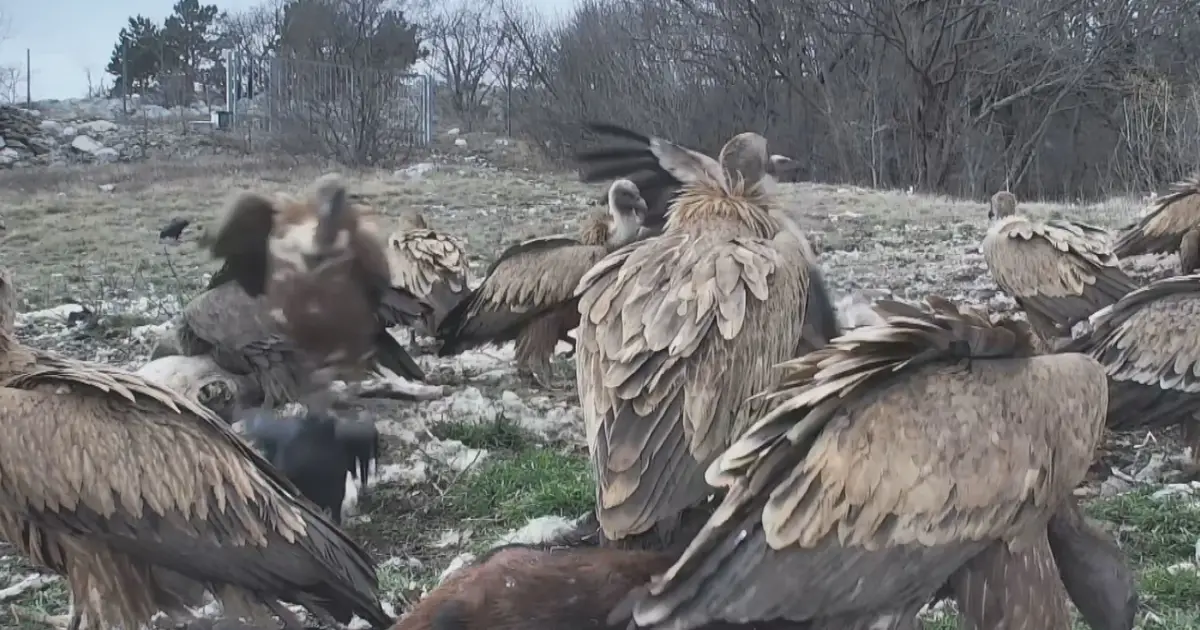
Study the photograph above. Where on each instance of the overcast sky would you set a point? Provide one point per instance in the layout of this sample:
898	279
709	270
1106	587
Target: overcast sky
68	37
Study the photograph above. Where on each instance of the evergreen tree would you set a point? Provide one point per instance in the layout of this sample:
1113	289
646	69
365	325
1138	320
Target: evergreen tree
191	45
140	44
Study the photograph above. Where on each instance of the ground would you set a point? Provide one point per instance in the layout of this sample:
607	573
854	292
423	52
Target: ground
464	470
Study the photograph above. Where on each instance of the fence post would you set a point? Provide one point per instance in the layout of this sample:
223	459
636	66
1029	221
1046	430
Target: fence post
428	107
28	80
231	74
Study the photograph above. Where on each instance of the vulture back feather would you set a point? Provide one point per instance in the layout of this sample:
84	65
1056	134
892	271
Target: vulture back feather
1059	272
429	264
678	330
1160	231
133	479
869	467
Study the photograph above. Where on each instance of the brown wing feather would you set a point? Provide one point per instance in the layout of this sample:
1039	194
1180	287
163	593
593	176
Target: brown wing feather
1005	588
518	289
1160	230
433	266
675	333
1059	272
150	474
1148	345
870	467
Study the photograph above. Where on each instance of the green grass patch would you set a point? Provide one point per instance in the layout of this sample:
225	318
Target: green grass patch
501	435
1151	531
508	491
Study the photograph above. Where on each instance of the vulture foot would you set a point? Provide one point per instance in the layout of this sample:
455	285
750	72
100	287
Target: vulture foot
1191	438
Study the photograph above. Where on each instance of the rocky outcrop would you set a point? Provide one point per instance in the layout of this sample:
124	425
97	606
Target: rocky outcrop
21	137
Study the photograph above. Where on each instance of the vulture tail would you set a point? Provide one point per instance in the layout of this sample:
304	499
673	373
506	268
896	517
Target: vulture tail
391	355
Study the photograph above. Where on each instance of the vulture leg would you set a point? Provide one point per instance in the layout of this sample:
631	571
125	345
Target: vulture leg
1191	438
287	617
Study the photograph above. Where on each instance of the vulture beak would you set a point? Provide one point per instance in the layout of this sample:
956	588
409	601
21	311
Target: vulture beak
991	215
640	207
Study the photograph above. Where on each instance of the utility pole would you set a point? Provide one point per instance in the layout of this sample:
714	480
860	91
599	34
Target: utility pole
125	77
28	80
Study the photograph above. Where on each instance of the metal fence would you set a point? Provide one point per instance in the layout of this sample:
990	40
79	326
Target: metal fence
326	100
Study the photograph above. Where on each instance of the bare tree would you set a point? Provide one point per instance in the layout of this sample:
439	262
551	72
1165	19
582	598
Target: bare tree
467	38
11	76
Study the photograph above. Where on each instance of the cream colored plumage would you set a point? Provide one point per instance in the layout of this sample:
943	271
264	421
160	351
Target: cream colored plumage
120	484
431	265
866	488
1059	272
528	293
677	330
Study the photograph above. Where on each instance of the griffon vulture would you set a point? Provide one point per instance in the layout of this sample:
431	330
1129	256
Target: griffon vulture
323	270
1149	344
528	292
115	481
867	487
1059	272
429	264
1172	225
677	330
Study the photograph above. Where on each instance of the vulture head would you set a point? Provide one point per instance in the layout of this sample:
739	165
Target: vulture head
319	261
627	210
744	158
781	165
1003	204
411	219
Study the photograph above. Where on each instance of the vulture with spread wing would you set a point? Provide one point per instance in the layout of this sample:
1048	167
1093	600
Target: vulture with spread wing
140	496
429	264
1149	344
659	188
678	330
867	487
322	267
1172	225
528	294
1059	272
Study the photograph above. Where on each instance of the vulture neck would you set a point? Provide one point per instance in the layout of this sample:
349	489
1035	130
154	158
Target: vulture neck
624	231
708	207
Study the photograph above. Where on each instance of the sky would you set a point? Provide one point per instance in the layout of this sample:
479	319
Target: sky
78	35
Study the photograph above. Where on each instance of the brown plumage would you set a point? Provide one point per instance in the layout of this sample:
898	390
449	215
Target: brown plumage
869	471
236	330
322	267
1094	571
528	294
116	482
521	588
1059	272
429	264
1149	344
1174	216
678	330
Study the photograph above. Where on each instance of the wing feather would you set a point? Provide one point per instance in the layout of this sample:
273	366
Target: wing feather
431	265
1058	271
1162	229
677	331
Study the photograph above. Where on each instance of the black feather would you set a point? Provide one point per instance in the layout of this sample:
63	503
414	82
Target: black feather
174	229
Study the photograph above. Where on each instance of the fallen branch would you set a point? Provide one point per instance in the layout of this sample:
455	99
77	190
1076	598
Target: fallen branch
29	583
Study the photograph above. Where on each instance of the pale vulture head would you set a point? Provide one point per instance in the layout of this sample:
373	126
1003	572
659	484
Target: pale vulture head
745	156
1003	204
627	209
411	219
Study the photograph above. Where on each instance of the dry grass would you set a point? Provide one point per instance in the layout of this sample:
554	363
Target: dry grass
68	239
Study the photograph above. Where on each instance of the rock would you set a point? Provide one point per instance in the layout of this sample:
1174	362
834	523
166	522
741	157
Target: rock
99	126
460	142
453	132
107	155
69	131
8	157
86	144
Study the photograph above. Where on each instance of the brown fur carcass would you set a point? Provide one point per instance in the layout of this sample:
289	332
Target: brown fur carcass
1149	344
139	495
1172	225
528	292
1059	272
321	265
522	588
866	488
678	330
429	264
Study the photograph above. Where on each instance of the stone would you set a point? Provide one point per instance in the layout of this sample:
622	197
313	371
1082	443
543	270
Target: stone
86	144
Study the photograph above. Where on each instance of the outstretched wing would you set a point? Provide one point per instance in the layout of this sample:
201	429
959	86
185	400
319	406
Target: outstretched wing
1161	230
1060	272
674	335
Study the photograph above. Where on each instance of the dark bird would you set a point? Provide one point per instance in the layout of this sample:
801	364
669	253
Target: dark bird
866	487
678	330
1058	271
1172	225
321	264
133	491
1149	345
315	451
174	229
528	294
